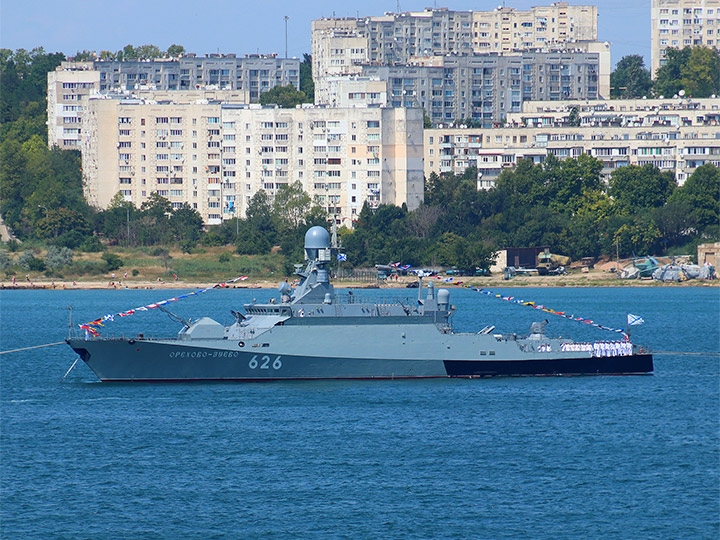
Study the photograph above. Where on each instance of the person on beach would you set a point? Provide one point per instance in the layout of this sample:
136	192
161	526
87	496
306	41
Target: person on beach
13	281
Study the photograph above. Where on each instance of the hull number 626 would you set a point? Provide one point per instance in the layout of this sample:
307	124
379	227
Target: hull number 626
264	362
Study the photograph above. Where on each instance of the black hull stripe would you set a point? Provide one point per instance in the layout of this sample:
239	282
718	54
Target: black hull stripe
607	365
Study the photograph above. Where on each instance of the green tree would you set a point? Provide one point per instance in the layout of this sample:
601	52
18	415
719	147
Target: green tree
175	51
290	206
31	175
452	250
574	117
701	195
638	237
696	70
154	222
427	122
630	78
634	188
469	122
257	232
307	86
85	56
701	76
145	52
186	224
119	221
112	261
286	97
126	53
577	180
59	221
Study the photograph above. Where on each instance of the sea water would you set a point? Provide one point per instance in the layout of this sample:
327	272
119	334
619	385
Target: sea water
542	458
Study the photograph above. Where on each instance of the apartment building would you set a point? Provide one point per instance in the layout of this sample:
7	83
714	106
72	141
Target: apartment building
67	86
395	38
488	87
671	135
215	156
682	23
245	78
255	73
506	29
357	91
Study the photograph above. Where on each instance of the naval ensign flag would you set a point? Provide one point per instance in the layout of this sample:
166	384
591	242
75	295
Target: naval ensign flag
634	319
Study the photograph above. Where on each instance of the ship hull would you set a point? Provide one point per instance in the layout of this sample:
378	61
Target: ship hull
124	360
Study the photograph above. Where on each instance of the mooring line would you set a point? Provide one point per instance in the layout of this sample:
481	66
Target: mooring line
34	347
69	370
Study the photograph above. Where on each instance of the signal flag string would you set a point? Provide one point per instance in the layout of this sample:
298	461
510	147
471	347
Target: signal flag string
562	314
90	327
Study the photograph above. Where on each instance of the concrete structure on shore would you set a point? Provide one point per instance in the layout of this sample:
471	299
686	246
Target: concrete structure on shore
216	155
676	136
709	253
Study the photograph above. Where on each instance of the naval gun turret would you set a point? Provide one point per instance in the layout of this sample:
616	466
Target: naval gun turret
315	286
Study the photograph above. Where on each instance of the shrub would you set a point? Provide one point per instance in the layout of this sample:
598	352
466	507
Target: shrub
69	239
28	261
187	246
112	261
224	258
92	268
5	261
57	257
92	245
212	239
135	272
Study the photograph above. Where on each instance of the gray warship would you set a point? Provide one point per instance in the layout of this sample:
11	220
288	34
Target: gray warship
313	333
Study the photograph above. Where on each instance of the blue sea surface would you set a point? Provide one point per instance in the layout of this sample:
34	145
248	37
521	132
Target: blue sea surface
542	458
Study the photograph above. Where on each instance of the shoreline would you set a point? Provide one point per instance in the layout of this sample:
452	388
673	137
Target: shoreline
573	280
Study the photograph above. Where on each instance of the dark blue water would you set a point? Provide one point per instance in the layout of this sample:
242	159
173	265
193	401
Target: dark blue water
543	458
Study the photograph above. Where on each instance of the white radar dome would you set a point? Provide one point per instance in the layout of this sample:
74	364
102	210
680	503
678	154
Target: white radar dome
317	238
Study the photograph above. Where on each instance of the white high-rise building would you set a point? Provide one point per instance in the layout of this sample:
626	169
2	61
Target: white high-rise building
215	156
682	23
68	84
244	79
340	45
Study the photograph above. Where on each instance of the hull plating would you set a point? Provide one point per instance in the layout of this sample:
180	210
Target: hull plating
175	361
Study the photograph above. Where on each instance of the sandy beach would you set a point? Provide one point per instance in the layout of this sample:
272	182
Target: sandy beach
594	278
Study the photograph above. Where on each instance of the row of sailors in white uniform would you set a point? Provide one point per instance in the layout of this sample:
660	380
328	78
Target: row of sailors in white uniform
600	348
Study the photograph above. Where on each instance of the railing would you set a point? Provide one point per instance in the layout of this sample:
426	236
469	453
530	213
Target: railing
363	276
